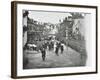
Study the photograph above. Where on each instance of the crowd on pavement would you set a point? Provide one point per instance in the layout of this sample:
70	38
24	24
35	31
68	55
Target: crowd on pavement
51	45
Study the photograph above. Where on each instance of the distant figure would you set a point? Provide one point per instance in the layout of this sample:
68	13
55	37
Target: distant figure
50	46
62	48
43	53
56	51
46	45
59	44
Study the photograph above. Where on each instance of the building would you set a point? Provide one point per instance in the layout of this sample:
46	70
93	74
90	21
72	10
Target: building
35	31
78	28
25	17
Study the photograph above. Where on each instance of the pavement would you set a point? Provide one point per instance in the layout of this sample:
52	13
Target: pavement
69	58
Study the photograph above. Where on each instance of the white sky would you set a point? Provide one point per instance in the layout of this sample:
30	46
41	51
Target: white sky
51	17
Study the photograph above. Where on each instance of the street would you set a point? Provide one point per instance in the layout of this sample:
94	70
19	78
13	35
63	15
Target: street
69	58
52	31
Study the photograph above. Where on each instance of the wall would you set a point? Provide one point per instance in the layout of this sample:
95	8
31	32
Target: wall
5	41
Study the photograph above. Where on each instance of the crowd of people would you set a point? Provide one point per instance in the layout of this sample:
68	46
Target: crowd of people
56	46
47	45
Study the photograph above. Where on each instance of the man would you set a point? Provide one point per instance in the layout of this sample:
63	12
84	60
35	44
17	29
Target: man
43	53
62	48
52	45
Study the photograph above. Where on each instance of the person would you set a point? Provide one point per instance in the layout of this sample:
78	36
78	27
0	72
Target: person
45	45
62	48
50	46
43	53
59	44
57	49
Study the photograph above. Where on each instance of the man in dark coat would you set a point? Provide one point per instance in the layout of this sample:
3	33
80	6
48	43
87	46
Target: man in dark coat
43	53
56	51
62	48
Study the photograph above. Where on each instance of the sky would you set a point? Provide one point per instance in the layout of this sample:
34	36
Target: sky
51	17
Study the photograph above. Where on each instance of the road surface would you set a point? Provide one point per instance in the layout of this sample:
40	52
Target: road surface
69	58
